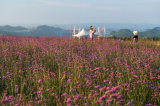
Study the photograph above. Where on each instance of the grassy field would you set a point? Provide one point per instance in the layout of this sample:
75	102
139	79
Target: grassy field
50	71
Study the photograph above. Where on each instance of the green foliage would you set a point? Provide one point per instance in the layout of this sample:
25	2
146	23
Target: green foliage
153	38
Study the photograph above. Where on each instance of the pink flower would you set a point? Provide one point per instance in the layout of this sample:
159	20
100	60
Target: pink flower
109	101
85	104
69	80
103	97
129	103
39	92
64	94
106	81
53	94
69	105
39	101
8	72
98	86
40	80
101	89
111	91
149	104
69	100
114	95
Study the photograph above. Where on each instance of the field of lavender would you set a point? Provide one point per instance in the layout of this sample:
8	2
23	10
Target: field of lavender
51	71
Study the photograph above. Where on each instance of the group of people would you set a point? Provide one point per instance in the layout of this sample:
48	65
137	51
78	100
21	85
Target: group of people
92	31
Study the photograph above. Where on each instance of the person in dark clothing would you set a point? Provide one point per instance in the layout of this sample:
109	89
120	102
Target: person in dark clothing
135	38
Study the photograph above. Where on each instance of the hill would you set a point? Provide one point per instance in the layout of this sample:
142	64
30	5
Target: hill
45	30
157	28
11	29
4	33
122	32
151	33
125	32
42	30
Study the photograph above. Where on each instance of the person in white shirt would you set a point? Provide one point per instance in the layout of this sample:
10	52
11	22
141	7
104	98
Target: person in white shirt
91	32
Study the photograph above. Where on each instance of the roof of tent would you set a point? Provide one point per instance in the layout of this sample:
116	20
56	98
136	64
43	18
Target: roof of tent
81	33
84	33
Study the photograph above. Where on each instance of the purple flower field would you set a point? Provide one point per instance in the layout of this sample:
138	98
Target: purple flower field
52	71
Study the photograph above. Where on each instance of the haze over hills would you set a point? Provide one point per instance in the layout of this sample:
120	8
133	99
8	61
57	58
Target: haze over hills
155	32
116	26
108	26
10	28
42	30
119	30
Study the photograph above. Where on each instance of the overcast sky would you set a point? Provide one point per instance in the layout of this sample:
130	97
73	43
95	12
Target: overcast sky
79	11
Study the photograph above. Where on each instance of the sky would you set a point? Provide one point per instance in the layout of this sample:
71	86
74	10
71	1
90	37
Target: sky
79	11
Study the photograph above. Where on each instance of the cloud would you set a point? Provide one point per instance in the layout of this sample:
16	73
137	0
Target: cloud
109	8
80	5
53	3
63	4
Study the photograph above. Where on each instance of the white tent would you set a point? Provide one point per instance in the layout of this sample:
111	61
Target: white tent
83	33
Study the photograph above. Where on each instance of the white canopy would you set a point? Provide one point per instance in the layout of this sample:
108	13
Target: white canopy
84	33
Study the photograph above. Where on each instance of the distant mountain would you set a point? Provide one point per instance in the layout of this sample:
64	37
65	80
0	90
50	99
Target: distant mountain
48	28
116	26
151	33
42	30
45	30
125	32
11	29
157	28
121	33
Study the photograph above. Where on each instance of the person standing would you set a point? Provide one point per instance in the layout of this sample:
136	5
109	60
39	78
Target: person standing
135	38
91	32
